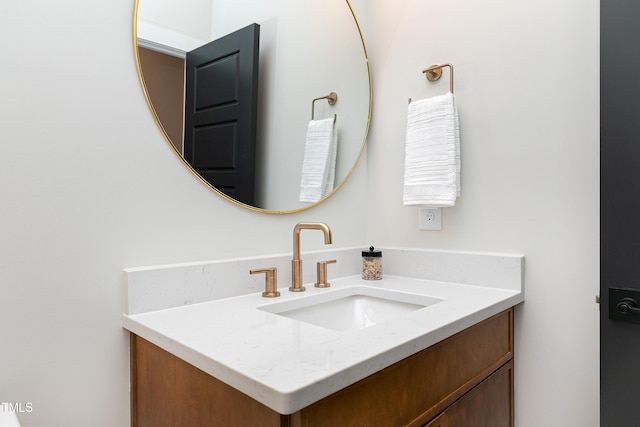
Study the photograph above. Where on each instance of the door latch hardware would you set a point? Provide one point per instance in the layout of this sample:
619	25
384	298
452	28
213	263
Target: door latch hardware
624	305
628	306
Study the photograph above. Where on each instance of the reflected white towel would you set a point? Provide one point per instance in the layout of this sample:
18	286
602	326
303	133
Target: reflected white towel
319	162
432	153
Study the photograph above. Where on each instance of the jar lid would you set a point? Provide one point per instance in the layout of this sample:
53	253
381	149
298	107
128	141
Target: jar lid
371	253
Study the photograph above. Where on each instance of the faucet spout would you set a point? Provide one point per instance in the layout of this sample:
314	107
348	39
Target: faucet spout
296	262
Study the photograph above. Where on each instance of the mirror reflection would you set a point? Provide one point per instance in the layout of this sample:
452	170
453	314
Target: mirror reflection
297	52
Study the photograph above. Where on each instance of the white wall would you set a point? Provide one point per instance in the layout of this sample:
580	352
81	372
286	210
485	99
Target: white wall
526	86
178	16
88	187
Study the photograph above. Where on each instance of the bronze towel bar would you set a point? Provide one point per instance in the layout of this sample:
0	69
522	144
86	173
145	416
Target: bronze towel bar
332	98
434	72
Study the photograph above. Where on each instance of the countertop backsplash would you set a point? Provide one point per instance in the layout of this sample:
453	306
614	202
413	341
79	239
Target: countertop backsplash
173	285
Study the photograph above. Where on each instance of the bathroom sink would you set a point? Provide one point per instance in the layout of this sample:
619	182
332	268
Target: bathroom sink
351	308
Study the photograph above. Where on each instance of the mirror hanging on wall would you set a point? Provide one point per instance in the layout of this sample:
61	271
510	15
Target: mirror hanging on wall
249	136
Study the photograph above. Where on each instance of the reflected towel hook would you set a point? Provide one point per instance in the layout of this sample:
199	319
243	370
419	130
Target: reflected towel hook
332	98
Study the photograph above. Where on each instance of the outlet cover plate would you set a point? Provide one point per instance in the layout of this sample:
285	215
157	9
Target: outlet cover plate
430	218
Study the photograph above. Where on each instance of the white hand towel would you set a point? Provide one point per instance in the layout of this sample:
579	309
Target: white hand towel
331	166
432	153
318	164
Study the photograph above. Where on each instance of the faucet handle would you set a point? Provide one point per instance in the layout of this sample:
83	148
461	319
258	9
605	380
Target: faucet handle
322	274
271	280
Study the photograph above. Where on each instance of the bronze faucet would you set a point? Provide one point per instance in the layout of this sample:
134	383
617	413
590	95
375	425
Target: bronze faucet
296	263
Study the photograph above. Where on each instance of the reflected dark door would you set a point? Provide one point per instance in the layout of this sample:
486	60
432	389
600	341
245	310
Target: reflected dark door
619	212
221	112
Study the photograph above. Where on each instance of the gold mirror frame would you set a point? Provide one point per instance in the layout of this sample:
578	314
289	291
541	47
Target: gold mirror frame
197	175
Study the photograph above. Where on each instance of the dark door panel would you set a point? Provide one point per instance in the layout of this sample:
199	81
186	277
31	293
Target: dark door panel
221	112
619	211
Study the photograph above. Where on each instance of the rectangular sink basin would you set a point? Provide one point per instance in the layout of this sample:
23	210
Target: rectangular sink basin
350	309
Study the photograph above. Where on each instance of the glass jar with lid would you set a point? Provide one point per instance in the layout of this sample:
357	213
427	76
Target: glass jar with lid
372	264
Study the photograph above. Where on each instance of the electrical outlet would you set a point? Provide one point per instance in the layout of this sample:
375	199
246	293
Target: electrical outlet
430	218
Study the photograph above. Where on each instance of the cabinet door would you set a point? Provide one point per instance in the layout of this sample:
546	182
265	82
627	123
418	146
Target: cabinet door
168	392
489	404
416	389
440	421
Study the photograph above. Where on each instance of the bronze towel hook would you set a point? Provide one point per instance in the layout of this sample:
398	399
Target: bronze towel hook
434	72
332	98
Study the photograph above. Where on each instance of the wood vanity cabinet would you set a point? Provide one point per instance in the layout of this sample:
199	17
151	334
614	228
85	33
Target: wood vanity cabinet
465	380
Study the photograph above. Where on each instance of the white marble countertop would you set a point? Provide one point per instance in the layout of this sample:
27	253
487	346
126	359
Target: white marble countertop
287	364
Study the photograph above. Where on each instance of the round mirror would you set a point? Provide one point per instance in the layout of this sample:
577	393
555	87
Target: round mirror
267	102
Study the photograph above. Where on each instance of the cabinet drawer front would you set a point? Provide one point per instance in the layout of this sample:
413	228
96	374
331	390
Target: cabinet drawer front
490	403
416	389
